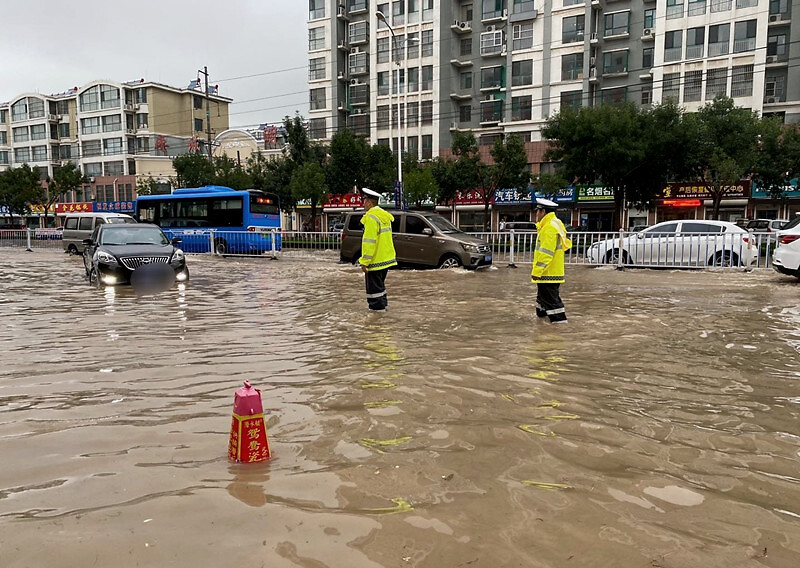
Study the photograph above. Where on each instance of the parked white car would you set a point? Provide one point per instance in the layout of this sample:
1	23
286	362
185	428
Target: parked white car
679	243
786	258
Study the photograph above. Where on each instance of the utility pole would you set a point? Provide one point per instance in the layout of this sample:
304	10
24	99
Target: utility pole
208	112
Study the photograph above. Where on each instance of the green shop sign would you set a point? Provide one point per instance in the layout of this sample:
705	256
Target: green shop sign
594	193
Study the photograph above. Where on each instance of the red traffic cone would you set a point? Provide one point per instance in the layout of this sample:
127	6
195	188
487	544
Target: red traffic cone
248	442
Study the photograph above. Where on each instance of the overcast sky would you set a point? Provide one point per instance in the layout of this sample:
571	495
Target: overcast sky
255	50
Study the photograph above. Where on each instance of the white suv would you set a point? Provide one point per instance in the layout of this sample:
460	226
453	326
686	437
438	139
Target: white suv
786	258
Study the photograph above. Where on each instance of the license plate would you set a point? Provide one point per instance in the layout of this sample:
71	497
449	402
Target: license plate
487	258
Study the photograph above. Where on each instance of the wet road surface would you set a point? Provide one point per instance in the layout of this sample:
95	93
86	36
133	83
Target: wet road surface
659	428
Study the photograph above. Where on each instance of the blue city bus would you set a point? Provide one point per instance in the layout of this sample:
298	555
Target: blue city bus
235	222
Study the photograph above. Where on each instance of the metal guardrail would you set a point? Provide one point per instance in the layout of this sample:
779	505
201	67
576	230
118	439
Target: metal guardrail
724	250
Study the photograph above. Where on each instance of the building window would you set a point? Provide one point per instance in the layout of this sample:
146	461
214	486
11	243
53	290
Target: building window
426	111
615	62
116	168
492	42
3	138
650	18
617	23
744	36
647	57
427	146
521	108
35	108
427	43
427	78
674	9
572	67
141	120
522	35
695	42
671	86
2	116
491	9
383	49
466	46
38	132
4	156
572	29
465	113
382	116
697	7
197	102
198	124
316	69
112	123
523	6
412	45
413	146
359	63
721	5
571	100
19	110
90	125
383	83
316	39
742	81
109	97
65	152
647	95
719	39
93	170
692	86
613	96
673	42
91	148
142	145
776	45
22	155
317	128
20	134
112	146
522	73
746	3
492	77
140	95
465	80
492	111
359	124
316	9
39	153
90	99
413	79
716	82
317	98
412	113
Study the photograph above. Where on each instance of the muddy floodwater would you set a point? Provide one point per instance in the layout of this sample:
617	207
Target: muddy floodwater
660	428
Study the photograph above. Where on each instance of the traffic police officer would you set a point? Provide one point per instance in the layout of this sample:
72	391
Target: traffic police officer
548	261
377	249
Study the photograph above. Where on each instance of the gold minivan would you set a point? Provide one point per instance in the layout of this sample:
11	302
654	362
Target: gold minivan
79	226
421	238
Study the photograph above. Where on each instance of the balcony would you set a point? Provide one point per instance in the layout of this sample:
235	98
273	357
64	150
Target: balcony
460	96
461	63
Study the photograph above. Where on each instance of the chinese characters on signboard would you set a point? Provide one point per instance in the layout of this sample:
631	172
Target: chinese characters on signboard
346	200
595	193
703	191
95	206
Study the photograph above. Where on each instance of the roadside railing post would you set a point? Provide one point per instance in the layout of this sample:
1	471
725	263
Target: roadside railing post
758	253
28	235
211	242
619	249
511	249
272	244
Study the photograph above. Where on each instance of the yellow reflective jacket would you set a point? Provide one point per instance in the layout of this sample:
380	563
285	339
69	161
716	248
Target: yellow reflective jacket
548	257
377	248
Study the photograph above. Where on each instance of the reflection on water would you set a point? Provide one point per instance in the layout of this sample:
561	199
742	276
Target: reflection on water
658	428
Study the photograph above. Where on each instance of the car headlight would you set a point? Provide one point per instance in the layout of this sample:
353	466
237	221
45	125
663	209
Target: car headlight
103	256
177	255
470	248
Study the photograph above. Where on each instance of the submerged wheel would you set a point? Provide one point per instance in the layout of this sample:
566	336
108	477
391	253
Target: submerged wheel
72	249
724	258
613	257
450	261
94	281
220	246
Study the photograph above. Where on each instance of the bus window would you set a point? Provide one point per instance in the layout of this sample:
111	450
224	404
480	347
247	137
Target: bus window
263	204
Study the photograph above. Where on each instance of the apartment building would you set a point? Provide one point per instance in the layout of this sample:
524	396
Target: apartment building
501	66
114	131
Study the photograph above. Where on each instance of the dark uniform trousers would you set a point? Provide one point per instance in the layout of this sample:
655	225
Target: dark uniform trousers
548	302
376	289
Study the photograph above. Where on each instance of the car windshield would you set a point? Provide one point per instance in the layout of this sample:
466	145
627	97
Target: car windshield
120	220
793	223
138	235
442	224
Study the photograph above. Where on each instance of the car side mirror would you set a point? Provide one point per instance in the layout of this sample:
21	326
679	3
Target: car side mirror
176	240
640	235
427	231
87	242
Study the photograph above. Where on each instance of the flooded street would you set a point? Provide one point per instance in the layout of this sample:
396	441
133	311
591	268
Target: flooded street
659	428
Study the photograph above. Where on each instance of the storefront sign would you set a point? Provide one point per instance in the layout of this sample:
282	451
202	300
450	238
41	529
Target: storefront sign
681	202
511	197
564	195
595	193
790	190
115	206
703	191
471	197
82	207
3	209
96	206
346	200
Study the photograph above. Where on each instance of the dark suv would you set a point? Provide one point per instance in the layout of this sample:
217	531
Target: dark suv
421	238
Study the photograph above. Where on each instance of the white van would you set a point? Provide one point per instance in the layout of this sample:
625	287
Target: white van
79	226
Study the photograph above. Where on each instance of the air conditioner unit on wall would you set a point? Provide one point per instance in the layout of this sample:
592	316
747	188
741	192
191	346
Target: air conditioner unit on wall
770	100
463	25
490	28
354	50
647	31
772	58
354	81
592	61
775	18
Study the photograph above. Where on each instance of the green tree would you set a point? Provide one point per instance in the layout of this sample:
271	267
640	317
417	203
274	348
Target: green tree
727	146
20	188
347	167
418	181
509	170
229	173
68	177
381	169
308	183
547	185
298	146
444	173
778	157
598	144
193	170
272	175
151	186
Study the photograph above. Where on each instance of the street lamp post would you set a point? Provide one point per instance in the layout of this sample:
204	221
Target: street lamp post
398	194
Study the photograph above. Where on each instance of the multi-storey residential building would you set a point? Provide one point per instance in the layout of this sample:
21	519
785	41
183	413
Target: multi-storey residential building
114	131
500	66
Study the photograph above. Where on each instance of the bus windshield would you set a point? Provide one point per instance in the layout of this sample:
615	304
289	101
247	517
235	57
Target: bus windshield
265	203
